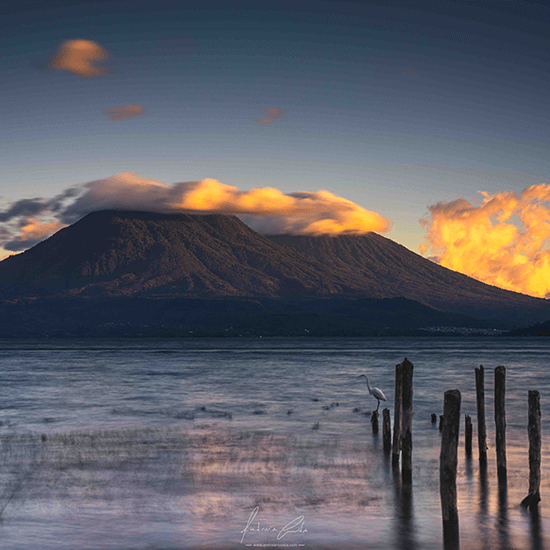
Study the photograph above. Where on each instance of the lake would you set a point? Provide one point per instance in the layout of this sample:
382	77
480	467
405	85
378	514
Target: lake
267	442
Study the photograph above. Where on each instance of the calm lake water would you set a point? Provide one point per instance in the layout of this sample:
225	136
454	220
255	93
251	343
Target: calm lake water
180	444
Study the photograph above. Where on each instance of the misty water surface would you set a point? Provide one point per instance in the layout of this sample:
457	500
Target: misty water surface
127	444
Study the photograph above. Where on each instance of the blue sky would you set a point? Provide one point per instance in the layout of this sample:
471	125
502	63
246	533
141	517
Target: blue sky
393	105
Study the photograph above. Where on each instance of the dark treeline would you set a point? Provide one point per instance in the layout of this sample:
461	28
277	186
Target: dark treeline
100	317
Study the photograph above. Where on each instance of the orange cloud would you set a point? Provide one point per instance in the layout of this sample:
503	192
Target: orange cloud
122	113
79	57
298	213
270	211
31	232
502	242
272	115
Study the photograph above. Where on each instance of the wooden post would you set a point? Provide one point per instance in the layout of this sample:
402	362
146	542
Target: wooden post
386	430
406	422
447	467
440	422
481	428
534	430
500	422
468	434
374	422
434	418
397	414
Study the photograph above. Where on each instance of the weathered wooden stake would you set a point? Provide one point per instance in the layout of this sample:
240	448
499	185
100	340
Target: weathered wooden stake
406	422
447	466
500	422
434	418
533	498
386	430
468	434
397	414
481	428
374	422
440	422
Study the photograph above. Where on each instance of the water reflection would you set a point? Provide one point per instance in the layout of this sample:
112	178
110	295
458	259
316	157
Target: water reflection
483	505
404	512
536	534
469	470
502	520
376	441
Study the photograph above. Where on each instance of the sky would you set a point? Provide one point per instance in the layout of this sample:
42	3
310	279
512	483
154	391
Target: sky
305	117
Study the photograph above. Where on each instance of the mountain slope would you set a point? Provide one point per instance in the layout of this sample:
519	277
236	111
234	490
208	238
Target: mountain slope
135	253
146	255
385	269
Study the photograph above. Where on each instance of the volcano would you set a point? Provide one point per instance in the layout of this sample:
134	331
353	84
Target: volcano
386	269
116	254
113	256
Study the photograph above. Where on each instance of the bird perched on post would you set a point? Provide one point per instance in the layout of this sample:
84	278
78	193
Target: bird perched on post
375	392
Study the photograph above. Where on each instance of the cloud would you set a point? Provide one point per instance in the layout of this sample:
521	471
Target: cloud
24	207
31	232
272	115
122	113
79	57
297	213
267	209
503	241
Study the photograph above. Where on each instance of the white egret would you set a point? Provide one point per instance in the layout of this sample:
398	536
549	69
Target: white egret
376	392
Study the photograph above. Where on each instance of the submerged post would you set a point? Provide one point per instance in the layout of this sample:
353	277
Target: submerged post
386	430
397	414
374	422
481	429
447	467
500	422
406	422
468	434
533	498
434	418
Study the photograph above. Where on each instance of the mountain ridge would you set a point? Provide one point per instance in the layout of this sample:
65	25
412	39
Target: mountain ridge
124	254
391	270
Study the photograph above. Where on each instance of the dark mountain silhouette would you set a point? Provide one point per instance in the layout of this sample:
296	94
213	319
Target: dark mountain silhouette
214	273
135	253
386	269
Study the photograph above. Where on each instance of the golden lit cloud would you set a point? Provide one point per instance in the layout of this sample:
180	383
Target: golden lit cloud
122	113
272	115
266	209
502	242
31	232
79	57
297	213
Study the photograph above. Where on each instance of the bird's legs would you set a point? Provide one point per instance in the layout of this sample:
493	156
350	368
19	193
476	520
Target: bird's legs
378	405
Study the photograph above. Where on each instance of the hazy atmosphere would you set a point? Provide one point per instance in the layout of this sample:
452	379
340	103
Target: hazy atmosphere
424	121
